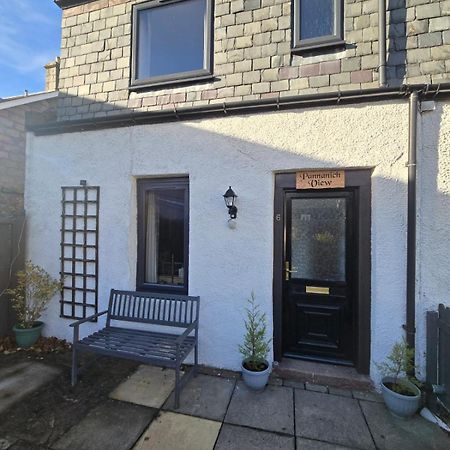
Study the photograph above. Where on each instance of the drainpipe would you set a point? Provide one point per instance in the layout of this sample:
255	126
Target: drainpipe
382	43
411	222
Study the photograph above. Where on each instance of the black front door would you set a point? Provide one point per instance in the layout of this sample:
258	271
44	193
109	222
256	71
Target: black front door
318	282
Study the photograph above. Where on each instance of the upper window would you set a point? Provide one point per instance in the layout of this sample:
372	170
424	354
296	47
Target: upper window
171	41
317	23
163	223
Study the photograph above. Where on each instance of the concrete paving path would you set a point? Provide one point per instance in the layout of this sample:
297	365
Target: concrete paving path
21	379
218	413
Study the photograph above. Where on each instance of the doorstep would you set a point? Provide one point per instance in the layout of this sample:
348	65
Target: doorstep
322	374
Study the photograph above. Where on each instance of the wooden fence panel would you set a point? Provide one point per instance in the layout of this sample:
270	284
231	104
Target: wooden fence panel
444	353
438	351
12	238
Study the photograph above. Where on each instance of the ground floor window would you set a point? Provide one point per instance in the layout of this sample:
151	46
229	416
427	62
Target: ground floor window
163	234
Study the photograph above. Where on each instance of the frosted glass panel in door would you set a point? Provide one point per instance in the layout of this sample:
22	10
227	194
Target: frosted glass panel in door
318	238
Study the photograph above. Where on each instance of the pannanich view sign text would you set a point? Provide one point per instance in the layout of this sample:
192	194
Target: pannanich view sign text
320	179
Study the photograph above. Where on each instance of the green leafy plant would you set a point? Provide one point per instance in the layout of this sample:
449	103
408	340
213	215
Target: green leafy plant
256	346
398	365
33	291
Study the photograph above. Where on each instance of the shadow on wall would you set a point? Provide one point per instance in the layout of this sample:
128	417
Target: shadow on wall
248	154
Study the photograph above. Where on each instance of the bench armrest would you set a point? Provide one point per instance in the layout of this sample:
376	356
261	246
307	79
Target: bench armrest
188	330
87	319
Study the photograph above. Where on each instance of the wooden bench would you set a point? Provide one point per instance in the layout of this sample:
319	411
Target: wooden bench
146	346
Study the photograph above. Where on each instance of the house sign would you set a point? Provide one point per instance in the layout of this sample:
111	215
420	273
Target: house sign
320	179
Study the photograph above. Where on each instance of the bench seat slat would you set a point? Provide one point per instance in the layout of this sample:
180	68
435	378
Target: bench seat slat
122	340
138	343
130	351
144	344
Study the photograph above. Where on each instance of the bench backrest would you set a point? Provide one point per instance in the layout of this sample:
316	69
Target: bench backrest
148	307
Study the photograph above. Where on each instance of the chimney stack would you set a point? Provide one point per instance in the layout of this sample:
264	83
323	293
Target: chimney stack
52	75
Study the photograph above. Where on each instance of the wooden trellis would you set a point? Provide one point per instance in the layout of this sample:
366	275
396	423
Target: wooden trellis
79	251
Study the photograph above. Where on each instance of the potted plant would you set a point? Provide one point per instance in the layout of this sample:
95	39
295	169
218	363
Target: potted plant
34	289
400	395
255	367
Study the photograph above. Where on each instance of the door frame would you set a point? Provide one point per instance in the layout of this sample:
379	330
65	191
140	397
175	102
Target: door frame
360	179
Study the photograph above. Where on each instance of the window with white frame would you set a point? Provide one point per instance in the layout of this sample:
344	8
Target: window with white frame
317	23
172	41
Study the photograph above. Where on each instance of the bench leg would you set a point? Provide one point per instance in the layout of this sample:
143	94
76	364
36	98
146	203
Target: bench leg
177	387
74	366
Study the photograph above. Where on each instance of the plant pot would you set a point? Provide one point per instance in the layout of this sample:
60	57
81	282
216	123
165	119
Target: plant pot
255	380
401	406
26	337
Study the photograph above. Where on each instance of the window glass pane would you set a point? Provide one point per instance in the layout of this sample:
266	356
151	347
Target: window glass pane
318	238
316	18
171	39
165	237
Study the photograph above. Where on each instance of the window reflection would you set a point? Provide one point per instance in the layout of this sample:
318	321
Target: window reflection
316	18
171	39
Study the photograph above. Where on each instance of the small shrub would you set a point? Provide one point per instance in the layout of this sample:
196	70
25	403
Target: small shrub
399	364
256	346
34	290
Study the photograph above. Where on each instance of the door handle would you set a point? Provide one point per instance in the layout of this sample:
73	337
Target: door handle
287	271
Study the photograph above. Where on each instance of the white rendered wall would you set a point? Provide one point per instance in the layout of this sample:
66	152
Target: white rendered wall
226	265
433	226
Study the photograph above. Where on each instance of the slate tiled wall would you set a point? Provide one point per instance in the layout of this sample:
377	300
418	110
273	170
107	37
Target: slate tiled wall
252	55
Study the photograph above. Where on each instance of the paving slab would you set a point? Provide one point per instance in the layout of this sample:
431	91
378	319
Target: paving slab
233	437
316	387
340	392
368	395
204	396
330	418
113	425
390	432
21	379
170	431
294	383
271	409
148	386
308	444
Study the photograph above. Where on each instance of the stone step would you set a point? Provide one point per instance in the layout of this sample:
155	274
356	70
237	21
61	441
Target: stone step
323	374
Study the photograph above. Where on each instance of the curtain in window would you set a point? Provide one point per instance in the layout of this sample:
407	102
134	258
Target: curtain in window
151	265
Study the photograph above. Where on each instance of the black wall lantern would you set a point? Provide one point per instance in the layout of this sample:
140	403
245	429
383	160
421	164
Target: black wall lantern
230	198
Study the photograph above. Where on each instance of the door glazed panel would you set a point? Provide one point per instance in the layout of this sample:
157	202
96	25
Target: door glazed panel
318	238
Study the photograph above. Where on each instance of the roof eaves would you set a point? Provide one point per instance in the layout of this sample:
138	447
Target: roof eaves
12	102
64	4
